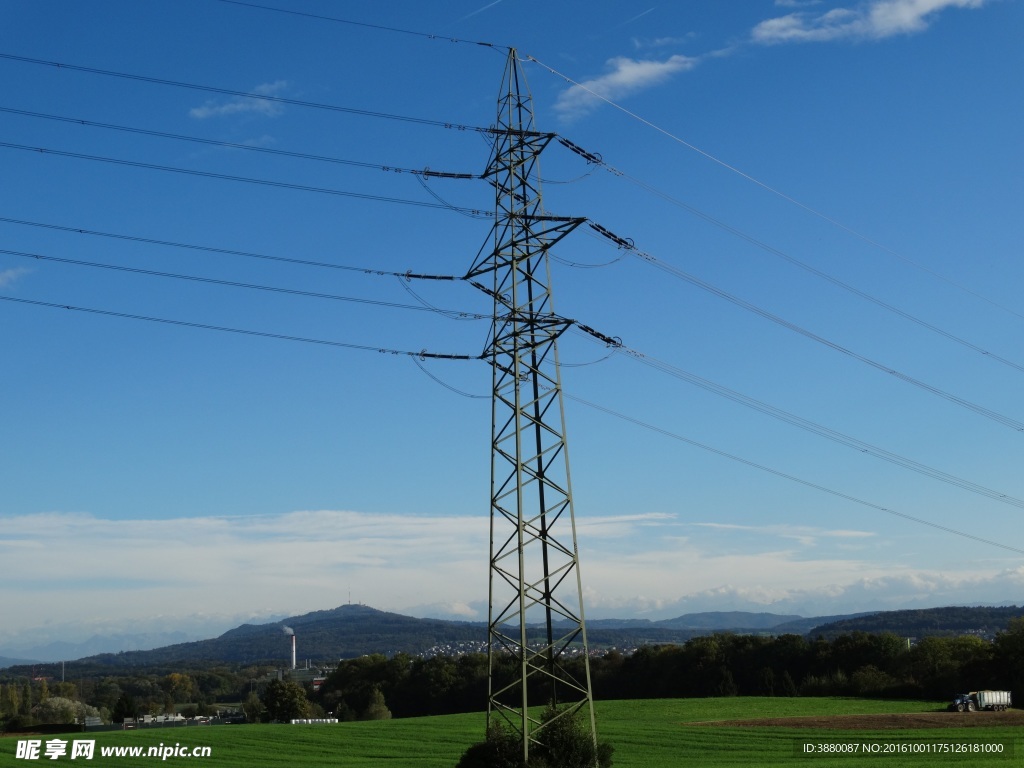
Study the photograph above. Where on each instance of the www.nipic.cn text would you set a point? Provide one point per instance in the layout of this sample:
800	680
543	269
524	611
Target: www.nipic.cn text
85	749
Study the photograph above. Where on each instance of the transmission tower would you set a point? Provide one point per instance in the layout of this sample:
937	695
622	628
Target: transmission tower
535	592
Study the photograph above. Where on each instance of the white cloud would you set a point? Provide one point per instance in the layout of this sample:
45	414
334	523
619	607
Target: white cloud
790	531
9	276
243	104
874	592
625	77
159	574
129	569
647	43
872	20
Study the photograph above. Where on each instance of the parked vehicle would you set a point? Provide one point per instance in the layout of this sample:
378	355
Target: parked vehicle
978	700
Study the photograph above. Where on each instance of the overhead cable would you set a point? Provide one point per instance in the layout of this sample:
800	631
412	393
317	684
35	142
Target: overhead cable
472	212
743	304
380	27
422	354
424	172
246	94
819	429
596	159
250	286
408	275
446	385
809	209
793	478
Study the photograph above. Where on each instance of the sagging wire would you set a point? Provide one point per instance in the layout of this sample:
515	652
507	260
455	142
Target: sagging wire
445	384
579	265
611	352
467	212
451	314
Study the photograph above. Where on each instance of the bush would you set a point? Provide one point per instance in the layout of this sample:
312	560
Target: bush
57	709
501	749
566	742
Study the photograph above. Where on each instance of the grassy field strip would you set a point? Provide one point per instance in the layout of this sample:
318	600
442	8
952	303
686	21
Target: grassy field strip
646	734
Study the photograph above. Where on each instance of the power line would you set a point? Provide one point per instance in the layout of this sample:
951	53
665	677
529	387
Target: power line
597	159
250	286
819	429
743	304
424	172
448	386
423	354
472	212
246	94
408	275
793	478
762	467
813	211
379	27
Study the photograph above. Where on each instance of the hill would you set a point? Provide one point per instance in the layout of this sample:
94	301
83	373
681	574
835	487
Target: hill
344	632
355	630
6	662
925	622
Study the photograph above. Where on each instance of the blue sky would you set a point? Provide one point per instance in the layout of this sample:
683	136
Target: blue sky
848	174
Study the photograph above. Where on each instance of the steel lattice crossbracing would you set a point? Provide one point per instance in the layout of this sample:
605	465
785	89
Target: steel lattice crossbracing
536	609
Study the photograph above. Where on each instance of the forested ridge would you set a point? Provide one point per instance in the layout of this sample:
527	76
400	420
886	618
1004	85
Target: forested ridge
926	622
723	664
350	631
859	664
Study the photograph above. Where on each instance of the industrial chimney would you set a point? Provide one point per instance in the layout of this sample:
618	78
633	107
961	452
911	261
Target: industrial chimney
290	631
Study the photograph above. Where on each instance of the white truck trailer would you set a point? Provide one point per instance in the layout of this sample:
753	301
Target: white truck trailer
982	700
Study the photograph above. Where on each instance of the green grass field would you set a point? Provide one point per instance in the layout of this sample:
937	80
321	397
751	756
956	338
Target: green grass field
646	734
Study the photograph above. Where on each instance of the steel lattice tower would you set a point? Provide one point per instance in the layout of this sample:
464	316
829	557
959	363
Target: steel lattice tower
535	591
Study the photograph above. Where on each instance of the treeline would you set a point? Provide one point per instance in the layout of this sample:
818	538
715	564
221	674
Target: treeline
25	701
927	622
378	686
858	664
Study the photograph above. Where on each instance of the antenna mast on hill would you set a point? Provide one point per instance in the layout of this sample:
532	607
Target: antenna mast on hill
536	595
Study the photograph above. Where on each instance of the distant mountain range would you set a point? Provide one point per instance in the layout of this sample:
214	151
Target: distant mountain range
354	630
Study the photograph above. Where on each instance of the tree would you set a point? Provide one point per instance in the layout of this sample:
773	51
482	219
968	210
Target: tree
26	698
1009	655
10	701
285	700
124	708
66	690
181	688
253	708
57	709
106	693
376	709
788	686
